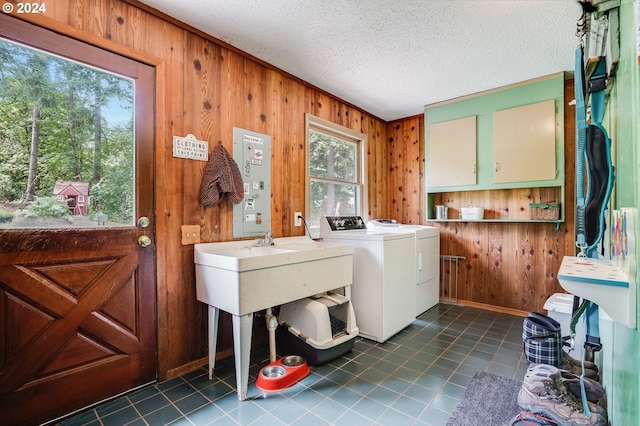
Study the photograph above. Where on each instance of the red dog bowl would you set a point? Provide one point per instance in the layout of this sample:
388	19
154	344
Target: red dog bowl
282	373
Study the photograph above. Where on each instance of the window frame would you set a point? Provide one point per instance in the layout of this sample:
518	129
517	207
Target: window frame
360	139
107	57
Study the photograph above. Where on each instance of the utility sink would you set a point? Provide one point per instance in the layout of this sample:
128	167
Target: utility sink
241	278
238	259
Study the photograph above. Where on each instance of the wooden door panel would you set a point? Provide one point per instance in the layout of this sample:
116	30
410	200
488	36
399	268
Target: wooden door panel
66	314
82	386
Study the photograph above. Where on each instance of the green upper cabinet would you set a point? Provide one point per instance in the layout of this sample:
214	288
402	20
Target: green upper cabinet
512	137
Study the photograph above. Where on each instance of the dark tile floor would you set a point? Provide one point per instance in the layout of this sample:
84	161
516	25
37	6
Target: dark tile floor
414	378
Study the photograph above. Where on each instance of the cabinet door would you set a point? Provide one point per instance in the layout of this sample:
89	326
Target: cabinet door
452	153
524	143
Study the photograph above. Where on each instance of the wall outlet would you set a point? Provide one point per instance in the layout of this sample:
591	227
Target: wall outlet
190	234
297	221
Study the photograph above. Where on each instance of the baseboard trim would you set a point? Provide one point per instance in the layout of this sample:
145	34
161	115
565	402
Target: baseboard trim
492	308
194	365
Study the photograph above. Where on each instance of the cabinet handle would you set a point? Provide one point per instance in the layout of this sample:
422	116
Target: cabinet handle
474	169
497	166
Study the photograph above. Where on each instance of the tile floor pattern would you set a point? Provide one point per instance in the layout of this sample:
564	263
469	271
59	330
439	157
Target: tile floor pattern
414	378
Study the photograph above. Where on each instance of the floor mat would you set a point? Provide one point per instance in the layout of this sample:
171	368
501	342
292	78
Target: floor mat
489	400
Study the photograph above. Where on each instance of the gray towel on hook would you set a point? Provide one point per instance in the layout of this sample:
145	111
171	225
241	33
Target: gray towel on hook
222	179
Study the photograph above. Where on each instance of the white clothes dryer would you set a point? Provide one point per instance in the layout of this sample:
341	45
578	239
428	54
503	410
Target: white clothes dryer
384	275
427	240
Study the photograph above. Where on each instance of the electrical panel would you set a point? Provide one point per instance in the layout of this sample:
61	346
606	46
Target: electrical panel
252	152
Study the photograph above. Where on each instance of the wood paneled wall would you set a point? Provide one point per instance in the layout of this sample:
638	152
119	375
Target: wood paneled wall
506	265
206	88
407	200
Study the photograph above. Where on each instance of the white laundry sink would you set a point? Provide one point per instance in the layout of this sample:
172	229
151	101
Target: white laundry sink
238	258
240	278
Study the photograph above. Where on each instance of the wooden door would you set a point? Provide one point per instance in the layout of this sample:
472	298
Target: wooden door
77	305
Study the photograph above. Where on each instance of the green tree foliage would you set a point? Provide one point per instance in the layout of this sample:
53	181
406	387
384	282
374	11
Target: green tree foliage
333	164
67	122
48	207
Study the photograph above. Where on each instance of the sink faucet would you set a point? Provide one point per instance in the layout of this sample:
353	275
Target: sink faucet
266	241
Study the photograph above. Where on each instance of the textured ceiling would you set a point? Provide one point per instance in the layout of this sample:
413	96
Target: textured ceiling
393	57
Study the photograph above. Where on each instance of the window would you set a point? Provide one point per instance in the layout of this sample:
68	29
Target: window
336	171
66	138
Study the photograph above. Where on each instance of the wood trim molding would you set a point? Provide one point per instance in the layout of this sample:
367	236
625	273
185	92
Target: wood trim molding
76	34
493	308
194	365
187	368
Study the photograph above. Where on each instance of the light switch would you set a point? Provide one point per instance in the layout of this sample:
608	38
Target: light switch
190	234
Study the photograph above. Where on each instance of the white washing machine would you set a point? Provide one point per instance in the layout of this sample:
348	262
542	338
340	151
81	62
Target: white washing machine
427	240
384	275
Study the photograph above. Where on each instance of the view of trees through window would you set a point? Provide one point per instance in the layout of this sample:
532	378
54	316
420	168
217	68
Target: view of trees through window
333	172
66	142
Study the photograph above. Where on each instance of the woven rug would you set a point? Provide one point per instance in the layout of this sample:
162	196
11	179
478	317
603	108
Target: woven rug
489	400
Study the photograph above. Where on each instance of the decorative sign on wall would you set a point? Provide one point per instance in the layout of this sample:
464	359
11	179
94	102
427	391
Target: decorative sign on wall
190	147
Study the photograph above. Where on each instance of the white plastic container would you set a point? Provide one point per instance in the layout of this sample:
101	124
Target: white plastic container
472	213
560	307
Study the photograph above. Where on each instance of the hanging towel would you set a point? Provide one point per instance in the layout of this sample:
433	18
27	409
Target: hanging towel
222	179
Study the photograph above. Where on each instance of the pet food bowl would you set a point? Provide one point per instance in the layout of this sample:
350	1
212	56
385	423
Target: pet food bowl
273	372
292	361
282	373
